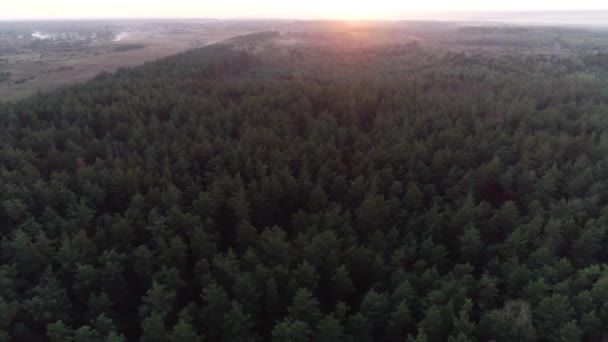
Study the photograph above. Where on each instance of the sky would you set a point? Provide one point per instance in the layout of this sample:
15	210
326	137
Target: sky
300	9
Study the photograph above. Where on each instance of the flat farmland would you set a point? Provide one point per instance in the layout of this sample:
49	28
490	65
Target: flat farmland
39	57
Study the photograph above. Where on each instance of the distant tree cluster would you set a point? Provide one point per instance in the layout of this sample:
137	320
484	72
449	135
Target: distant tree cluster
5	76
128	47
186	200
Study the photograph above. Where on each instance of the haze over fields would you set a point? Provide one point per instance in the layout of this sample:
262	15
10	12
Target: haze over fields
40	55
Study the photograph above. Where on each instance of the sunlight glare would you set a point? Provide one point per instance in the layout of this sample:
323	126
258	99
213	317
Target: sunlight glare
355	10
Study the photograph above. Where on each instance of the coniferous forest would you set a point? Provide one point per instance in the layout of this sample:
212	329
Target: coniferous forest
241	193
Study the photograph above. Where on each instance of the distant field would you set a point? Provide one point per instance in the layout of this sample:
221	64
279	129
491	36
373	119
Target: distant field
42	56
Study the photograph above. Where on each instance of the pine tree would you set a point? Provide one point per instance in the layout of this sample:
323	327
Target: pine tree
238	325
291	331
305	307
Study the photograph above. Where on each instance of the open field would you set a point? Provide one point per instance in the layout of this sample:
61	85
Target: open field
39	56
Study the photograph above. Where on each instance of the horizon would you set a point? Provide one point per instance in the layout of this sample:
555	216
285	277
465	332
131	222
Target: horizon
389	10
552	17
413	16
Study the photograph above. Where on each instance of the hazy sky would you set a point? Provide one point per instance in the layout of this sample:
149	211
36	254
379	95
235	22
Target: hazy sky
336	9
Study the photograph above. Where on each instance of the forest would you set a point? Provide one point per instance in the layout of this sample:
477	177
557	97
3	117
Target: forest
309	193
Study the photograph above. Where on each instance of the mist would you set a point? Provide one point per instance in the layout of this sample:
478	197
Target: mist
583	18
